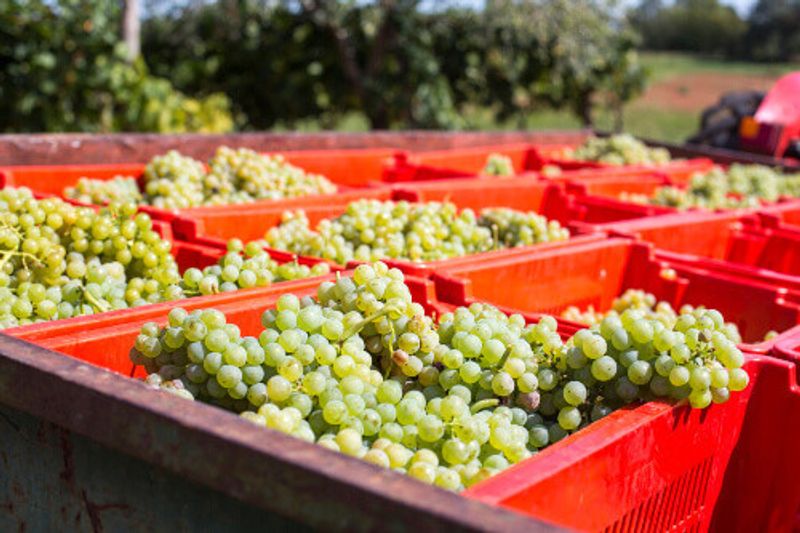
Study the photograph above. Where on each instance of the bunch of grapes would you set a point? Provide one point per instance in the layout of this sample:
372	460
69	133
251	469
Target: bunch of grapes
101	192
244	176
498	165
589	315
620	150
740	186
175	181
362	370
59	260
649	306
512	228
371	230
551	171
243	267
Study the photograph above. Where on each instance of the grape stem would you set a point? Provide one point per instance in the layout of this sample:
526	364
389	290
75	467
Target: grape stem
503	359
484	404
94	302
364	323
15	253
391	351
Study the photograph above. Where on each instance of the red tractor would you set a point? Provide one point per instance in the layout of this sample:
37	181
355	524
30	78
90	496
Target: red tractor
754	122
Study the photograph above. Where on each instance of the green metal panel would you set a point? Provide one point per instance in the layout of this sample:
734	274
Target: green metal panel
55	480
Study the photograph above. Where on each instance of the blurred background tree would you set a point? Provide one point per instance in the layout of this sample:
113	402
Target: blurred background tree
770	32
398	62
774	32
216	65
63	67
704	26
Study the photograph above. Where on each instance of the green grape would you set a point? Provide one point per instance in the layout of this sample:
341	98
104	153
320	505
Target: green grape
101	192
370	230
59	260
735	187
620	150
498	165
363	371
575	393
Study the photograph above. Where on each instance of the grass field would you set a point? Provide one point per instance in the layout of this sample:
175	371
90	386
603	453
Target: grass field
664	65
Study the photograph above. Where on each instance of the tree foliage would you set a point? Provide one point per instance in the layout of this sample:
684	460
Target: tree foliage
774	33
402	66
62	68
704	26
279	62
770	33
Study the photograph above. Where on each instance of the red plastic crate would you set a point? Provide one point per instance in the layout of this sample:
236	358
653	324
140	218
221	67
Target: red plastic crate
556	155
595	273
681	171
600	196
659	462
459	162
521	193
729	242
214	226
605	194
470	162
663	467
788	348
607	172
782	215
605	191
356	172
678	171
698	233
526	193
613	184
350	168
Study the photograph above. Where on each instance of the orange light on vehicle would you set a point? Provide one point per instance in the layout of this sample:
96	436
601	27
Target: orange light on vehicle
748	128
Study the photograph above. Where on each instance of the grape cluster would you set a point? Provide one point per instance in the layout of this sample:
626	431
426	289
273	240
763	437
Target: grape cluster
101	192
362	370
59	260
647	304
243	267
631	356
175	181
551	171
246	175
512	228
498	165
620	150
371	230
740	186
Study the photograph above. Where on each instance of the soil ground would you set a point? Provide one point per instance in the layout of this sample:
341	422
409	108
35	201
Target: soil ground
696	91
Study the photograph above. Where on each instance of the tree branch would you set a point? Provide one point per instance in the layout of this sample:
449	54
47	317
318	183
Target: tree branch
344	45
382	38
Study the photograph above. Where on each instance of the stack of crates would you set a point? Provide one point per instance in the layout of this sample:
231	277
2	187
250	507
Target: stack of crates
657	466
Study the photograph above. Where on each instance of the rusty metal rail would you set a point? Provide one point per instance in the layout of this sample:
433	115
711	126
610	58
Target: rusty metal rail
66	148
